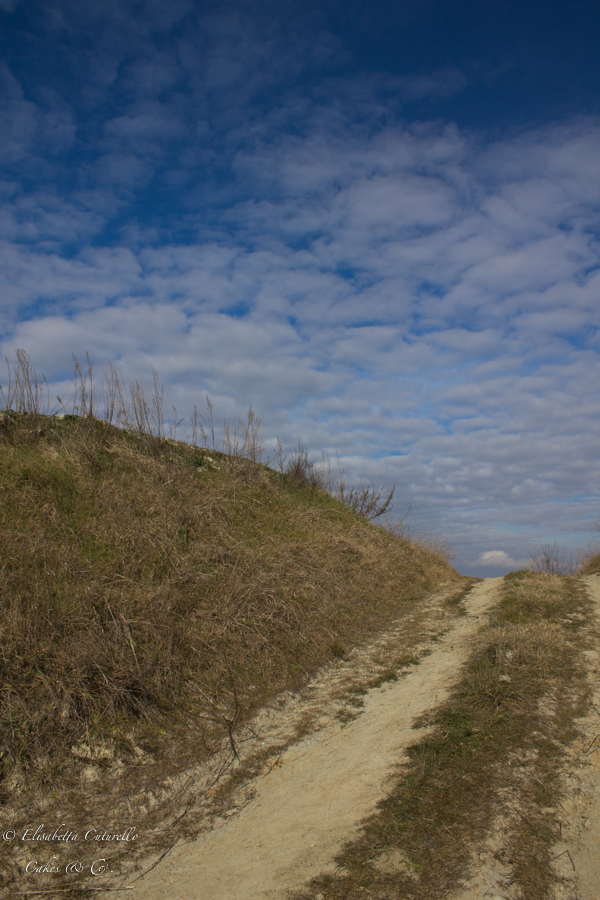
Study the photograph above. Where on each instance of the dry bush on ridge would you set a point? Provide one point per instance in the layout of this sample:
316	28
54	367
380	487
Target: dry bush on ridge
556	560
365	500
300	471
553	560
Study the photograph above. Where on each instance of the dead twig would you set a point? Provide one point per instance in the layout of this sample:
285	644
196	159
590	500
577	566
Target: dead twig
154	865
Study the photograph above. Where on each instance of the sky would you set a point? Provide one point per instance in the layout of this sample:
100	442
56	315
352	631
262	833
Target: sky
377	222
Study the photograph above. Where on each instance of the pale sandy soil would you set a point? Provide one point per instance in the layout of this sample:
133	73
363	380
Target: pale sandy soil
577	856
296	816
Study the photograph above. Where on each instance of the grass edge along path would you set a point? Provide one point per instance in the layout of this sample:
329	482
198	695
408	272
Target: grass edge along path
492	759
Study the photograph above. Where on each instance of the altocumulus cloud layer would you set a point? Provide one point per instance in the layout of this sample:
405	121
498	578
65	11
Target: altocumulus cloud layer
223	196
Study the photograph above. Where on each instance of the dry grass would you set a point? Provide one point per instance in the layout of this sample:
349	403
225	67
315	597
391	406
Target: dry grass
155	593
135	582
494	754
589	559
134	406
591	564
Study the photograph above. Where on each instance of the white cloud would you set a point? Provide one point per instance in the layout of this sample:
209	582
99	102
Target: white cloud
496	558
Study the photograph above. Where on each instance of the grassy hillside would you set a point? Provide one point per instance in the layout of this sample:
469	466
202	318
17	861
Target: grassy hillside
151	588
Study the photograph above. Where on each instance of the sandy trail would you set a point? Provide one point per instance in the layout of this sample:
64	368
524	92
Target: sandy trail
312	801
578	856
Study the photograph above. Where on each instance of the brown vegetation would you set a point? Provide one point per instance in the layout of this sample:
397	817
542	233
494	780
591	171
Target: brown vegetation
152	588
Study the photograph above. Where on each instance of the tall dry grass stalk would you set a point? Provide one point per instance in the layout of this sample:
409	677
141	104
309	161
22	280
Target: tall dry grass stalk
26	391
84	398
133	405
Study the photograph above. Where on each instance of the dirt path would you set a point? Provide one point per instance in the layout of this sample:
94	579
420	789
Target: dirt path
313	799
578	856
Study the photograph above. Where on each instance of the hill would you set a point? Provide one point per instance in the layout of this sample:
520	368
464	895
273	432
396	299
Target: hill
201	650
155	594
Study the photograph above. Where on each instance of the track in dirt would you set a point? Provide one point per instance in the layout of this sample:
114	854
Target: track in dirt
578	856
313	800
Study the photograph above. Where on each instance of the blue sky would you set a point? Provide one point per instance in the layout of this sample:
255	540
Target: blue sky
377	222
